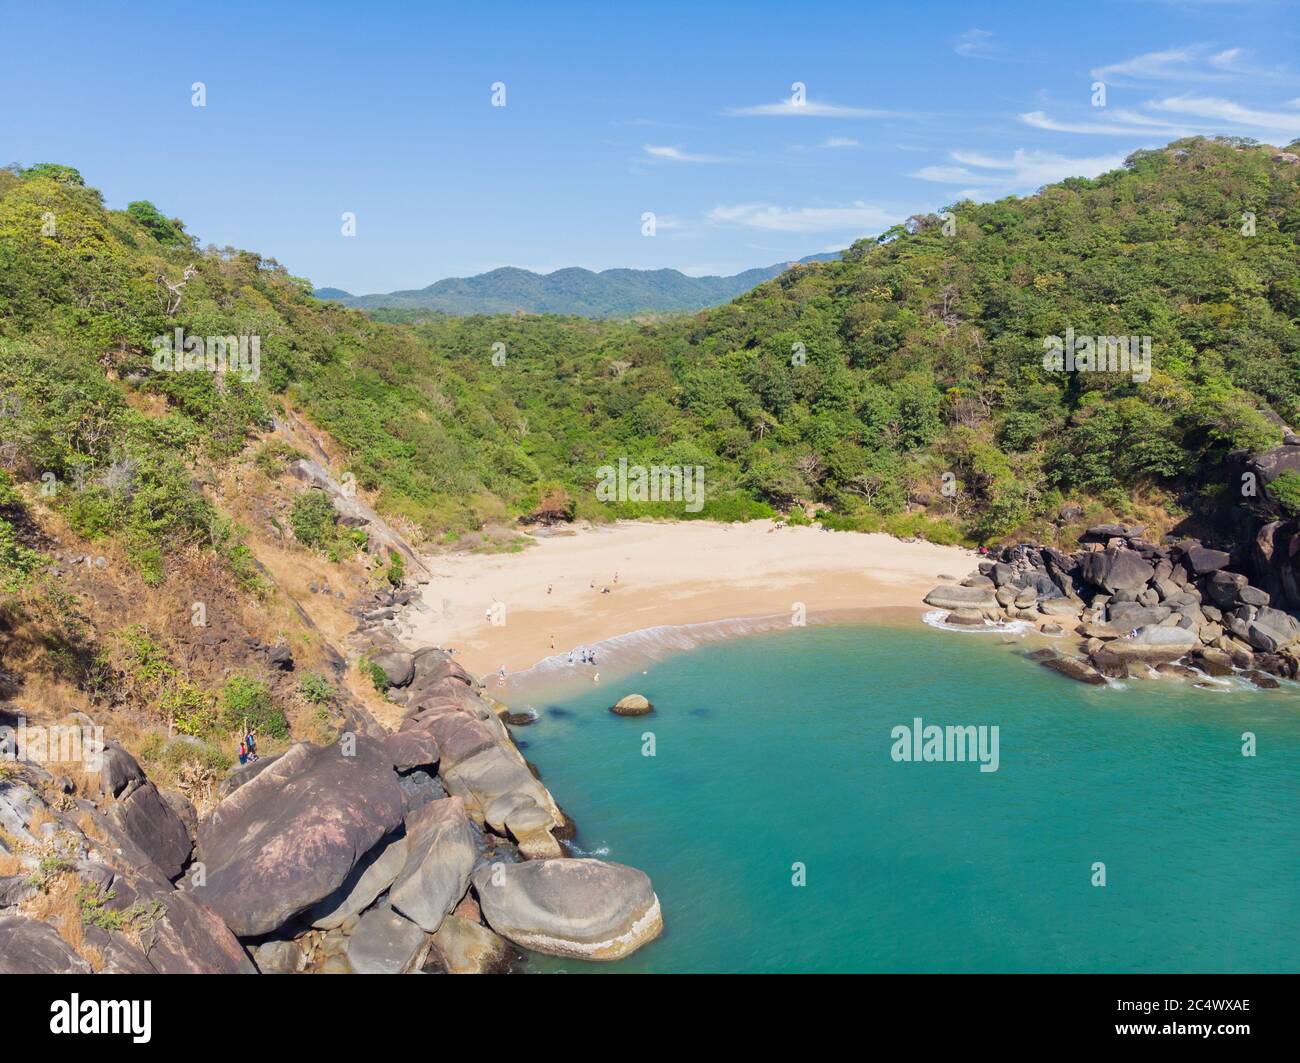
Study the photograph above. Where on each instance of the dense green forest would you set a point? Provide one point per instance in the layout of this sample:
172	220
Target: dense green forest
856	384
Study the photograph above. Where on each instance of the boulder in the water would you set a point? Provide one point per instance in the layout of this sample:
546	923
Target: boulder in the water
632	705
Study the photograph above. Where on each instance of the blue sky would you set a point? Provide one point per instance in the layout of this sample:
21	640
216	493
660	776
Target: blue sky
612	110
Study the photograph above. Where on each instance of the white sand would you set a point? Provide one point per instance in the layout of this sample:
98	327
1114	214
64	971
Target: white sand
668	573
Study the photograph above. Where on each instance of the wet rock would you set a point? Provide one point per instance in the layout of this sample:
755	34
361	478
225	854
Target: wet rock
1073	668
632	705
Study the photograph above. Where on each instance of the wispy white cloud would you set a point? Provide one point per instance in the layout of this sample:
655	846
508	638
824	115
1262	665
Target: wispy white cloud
975	44
808	109
677	155
1191	63
1021	171
838	142
1116	123
1226	112
857	217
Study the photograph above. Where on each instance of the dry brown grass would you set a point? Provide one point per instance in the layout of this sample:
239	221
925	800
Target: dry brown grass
10	865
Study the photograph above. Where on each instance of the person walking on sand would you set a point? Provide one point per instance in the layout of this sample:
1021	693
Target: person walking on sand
596	678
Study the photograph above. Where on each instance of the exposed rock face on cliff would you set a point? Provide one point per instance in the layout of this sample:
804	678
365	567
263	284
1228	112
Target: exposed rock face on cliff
381	538
131	918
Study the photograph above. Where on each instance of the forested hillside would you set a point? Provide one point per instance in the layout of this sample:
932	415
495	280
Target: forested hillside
856	384
609	293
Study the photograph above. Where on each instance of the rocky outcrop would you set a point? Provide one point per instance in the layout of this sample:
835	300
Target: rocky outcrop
291	836
1137	606
31	947
381	538
584	909
151	822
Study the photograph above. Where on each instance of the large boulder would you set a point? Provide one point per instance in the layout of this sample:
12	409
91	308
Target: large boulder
962	598
29	947
585	909
414	748
632	705
291	836
462	946
495	782
1074	668
397	666
149	821
441	849
373	875
1117	568
1202	560
1154	644
386	943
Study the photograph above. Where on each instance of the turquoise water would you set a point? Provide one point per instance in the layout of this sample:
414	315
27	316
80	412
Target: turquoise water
775	749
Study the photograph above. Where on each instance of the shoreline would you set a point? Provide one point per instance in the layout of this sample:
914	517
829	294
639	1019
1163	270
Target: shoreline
595	585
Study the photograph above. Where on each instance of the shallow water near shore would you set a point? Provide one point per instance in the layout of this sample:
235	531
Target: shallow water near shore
774	750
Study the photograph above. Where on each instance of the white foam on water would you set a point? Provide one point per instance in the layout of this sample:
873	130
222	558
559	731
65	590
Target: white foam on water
649	646
938	618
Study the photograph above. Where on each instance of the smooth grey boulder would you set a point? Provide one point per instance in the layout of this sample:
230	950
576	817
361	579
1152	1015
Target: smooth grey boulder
373	875
1128	615
386	943
490	775
962	598
291	836
118	770
149	821
1117	568
398	667
1202	560
632	705
1154	644
29	947
585	909
278	957
442	847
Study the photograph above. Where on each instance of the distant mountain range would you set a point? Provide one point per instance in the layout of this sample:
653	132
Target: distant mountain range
609	293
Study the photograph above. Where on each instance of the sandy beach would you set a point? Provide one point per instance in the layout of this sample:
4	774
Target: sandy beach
549	598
